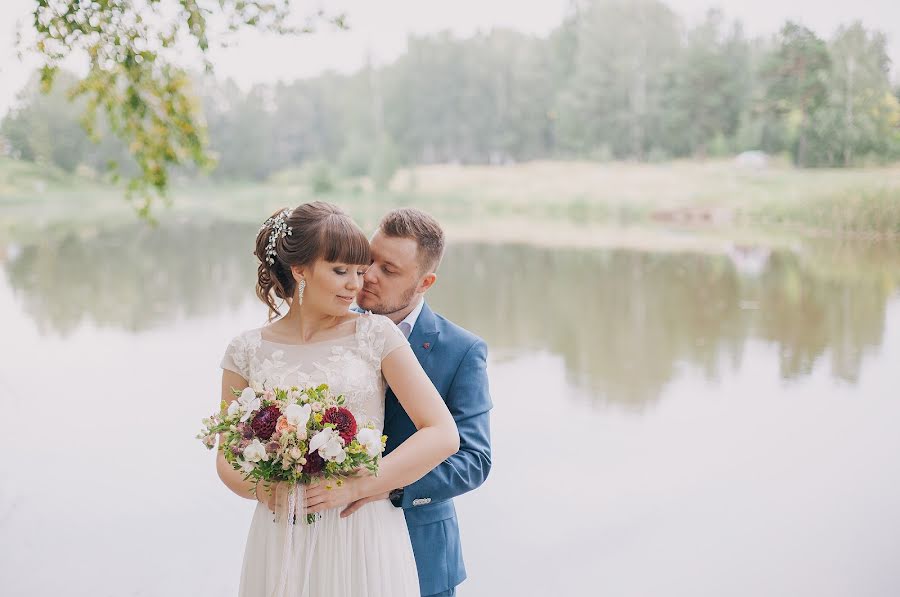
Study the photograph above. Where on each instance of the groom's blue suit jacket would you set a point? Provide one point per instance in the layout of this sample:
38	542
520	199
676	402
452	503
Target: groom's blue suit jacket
455	361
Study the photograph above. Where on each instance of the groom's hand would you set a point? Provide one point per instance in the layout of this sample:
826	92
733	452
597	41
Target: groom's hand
354	506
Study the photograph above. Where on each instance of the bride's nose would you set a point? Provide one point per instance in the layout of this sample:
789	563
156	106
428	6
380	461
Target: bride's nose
355	282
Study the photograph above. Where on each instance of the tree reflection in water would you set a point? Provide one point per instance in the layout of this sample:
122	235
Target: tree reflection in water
625	322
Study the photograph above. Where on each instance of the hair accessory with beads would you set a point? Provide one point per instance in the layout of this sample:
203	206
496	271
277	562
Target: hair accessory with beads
279	229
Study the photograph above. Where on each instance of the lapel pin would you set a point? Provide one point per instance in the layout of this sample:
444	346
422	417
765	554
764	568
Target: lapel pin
427	345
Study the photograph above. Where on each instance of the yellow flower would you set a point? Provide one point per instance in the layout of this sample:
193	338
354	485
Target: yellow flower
318	417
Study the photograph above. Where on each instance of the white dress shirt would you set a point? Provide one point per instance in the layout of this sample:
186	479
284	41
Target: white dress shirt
409	322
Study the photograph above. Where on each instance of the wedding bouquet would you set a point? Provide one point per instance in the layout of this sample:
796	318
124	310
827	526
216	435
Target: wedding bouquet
292	435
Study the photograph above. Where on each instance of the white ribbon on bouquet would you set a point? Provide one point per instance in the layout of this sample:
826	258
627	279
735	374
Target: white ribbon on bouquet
294	514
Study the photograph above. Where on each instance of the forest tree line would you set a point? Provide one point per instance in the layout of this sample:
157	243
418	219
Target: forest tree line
615	80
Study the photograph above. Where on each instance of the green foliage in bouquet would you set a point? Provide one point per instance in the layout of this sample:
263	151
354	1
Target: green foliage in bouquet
292	435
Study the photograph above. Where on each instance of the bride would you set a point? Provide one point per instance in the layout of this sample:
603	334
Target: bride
314	257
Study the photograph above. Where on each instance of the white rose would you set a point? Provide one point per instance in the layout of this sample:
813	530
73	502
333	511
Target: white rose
298	415
317	406
296	453
371	440
255	451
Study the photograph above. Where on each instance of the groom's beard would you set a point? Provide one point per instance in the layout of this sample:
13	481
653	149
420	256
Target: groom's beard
382	307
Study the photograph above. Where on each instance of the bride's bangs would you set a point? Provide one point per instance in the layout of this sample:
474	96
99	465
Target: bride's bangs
344	242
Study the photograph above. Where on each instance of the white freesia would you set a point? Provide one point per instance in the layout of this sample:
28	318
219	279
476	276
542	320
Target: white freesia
371	440
298	415
255	451
248	403
247	467
234	408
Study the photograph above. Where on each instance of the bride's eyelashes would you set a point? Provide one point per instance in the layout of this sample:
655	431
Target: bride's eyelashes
341	272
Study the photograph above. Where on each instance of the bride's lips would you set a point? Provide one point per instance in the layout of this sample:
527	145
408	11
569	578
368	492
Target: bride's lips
345	299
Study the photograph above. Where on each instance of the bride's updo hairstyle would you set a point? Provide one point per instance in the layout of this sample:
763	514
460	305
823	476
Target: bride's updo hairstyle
301	236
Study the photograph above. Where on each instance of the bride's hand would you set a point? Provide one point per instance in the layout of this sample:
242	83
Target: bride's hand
332	493
272	495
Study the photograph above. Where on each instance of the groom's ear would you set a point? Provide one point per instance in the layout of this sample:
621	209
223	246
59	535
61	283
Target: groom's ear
427	282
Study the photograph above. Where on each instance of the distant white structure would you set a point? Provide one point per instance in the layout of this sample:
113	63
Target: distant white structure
753	160
749	260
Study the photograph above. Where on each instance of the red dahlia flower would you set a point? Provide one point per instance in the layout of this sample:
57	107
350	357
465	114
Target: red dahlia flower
314	463
264	422
343	420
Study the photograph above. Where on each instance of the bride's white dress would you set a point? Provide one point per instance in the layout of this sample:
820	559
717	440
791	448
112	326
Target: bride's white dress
367	554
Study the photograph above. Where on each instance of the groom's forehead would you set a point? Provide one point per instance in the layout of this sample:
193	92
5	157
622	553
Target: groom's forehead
397	250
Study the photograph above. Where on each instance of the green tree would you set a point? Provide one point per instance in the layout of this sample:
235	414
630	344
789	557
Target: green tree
861	114
796	82
710	86
616	97
146	98
44	128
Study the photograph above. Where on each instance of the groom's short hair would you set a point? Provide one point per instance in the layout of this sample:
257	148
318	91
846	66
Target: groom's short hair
409	222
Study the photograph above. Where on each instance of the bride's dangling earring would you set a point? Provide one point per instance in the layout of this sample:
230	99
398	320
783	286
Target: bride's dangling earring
300	288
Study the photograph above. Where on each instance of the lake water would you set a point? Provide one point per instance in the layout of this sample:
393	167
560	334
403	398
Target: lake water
721	424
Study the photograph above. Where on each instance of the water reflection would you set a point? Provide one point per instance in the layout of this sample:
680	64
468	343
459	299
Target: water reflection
626	323
806	314
135	278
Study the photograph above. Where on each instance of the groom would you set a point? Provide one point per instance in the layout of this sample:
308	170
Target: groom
406	251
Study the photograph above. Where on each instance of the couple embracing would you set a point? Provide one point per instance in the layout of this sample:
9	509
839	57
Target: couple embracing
403	369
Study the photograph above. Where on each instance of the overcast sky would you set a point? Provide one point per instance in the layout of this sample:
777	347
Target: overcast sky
380	28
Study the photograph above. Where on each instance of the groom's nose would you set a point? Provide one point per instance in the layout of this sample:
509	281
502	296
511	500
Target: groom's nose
369	277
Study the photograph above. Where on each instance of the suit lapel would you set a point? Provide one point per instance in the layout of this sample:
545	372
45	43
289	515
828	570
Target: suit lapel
424	336
423	339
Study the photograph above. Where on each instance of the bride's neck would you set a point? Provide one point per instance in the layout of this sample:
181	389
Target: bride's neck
307	323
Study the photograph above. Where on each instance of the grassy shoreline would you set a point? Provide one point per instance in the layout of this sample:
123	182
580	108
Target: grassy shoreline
520	202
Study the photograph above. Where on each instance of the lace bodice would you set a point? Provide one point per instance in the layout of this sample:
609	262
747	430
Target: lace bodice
350	364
